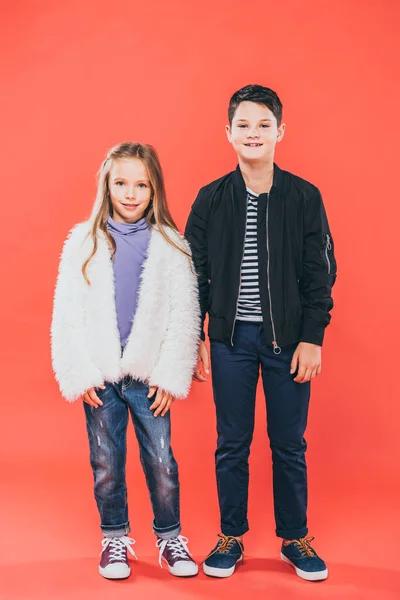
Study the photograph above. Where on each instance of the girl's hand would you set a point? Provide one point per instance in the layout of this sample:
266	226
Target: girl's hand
202	361
162	402
307	358
90	397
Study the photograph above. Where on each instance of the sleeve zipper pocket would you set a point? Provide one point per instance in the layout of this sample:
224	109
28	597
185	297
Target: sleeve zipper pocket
328	247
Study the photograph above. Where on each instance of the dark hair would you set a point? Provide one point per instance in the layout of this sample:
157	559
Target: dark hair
258	94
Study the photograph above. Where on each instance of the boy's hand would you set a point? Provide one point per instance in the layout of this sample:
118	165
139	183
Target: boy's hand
203	363
162	401
90	397
307	359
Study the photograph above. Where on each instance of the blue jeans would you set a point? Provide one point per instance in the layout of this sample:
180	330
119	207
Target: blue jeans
107	427
235	372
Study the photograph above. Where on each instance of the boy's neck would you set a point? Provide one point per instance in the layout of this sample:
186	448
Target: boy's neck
258	177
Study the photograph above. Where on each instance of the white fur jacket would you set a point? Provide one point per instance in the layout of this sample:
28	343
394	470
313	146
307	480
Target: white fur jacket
162	347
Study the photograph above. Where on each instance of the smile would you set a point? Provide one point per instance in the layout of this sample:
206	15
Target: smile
254	144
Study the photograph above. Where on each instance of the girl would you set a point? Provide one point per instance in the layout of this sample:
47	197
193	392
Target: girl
125	334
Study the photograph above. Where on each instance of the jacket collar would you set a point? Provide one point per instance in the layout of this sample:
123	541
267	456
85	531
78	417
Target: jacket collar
276	184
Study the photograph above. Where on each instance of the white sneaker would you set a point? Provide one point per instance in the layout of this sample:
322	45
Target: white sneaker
114	557
177	556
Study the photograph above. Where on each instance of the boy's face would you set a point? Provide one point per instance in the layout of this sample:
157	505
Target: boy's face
254	132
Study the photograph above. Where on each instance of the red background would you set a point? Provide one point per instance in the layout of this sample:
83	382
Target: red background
80	77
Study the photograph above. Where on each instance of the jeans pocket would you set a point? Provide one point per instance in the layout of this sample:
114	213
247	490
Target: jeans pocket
287	353
101	393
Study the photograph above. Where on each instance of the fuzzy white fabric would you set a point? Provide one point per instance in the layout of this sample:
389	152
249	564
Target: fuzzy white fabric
162	347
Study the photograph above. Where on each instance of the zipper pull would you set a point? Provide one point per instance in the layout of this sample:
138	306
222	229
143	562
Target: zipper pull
277	349
328	242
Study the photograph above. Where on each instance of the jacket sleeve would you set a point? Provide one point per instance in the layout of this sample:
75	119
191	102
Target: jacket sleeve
319	272
74	370
178	356
196	235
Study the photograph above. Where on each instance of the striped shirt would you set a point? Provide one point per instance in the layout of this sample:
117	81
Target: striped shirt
249	303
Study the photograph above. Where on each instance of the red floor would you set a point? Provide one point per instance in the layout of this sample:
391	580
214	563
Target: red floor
78	579
50	544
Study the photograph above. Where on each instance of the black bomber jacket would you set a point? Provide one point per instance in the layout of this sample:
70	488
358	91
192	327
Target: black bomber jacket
297	266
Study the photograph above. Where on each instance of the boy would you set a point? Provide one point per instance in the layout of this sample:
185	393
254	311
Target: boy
263	252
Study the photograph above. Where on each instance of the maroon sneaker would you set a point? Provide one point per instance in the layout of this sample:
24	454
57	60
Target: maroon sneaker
114	557
177	556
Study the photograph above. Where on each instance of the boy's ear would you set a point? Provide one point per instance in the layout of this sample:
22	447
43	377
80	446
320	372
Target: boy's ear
228	132
281	132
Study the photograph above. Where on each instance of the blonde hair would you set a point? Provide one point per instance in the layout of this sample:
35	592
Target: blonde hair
157	212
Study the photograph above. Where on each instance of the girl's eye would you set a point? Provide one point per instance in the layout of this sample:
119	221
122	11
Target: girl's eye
119	183
142	185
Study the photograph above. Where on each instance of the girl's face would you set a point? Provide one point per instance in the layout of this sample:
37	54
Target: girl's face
130	189
254	132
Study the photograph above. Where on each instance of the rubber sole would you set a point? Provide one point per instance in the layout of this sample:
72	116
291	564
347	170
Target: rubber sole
308	576
215	572
170	569
110	575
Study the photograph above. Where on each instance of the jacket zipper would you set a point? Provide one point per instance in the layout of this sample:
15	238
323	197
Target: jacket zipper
328	247
277	349
240	274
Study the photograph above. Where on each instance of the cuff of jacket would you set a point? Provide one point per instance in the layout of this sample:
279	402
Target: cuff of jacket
312	333
72	389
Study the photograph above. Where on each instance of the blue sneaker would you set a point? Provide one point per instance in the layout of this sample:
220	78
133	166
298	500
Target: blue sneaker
303	558
222	560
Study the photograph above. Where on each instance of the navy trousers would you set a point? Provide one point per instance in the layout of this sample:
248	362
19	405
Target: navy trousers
235	372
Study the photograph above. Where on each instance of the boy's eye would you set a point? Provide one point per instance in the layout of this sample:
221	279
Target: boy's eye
242	126
265	125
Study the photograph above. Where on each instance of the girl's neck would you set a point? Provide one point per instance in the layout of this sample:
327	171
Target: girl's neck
126	228
120	220
258	177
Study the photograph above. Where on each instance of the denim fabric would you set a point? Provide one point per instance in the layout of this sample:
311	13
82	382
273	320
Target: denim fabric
235	372
107	427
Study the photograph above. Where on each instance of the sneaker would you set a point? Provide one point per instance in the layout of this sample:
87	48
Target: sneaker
222	560
114	558
177	556
303	558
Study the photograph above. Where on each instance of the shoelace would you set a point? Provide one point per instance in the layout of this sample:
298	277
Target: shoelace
177	545
304	545
117	547
226	544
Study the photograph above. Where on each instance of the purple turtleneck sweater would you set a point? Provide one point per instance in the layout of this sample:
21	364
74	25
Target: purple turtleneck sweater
132	240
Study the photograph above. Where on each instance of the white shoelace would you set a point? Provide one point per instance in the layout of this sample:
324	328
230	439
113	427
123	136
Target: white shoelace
117	547
178	545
